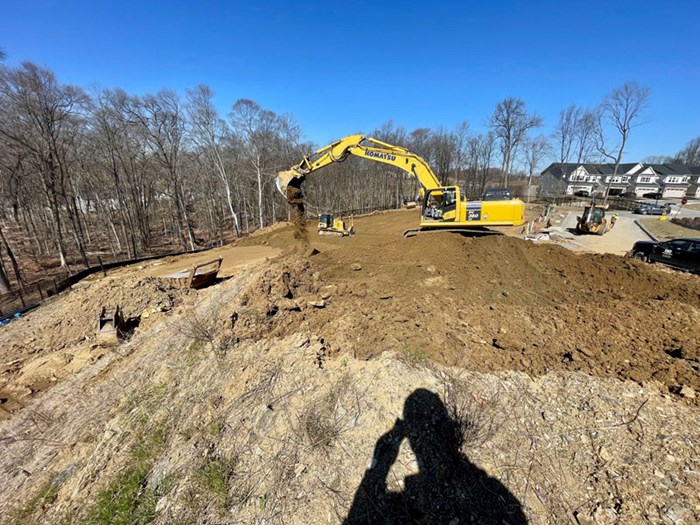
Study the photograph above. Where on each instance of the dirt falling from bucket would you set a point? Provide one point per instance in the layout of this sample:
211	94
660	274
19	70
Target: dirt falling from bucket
295	198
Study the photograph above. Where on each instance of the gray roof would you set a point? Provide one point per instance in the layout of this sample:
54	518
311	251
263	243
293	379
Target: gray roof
624	168
670	169
558	169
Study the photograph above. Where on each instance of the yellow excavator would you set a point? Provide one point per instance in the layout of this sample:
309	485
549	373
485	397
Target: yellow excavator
443	208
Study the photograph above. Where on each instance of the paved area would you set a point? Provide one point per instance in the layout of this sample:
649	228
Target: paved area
619	240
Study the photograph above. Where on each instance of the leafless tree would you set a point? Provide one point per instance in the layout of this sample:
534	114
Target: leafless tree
510	123
210	133
534	151
480	152
564	135
584	133
690	155
619	112
42	118
267	141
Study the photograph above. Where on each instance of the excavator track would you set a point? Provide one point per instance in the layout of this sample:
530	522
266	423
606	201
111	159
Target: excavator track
467	232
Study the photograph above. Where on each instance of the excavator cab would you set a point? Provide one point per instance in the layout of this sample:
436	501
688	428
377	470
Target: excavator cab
440	204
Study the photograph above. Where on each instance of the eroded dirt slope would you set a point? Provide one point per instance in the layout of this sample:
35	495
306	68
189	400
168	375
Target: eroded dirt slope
196	420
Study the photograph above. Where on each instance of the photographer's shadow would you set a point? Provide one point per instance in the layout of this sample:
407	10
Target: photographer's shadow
447	489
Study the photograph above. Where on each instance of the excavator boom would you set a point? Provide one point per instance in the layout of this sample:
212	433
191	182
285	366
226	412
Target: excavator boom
360	146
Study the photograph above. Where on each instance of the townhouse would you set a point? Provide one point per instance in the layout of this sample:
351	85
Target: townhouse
632	179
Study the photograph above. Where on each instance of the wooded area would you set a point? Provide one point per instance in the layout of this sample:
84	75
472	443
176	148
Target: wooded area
108	173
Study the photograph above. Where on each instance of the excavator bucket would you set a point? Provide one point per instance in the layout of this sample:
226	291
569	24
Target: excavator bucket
284	178
109	326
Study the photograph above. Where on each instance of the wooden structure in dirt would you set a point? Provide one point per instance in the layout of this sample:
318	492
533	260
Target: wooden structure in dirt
198	276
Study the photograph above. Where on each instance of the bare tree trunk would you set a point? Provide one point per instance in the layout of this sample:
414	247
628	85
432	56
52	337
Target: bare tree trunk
260	194
4	281
13	260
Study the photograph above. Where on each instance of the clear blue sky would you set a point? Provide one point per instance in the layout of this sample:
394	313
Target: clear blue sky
343	67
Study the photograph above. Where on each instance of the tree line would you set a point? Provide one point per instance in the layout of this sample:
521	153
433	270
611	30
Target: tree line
104	171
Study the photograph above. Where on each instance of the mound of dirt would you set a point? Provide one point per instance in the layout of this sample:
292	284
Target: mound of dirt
58	339
494	303
79	309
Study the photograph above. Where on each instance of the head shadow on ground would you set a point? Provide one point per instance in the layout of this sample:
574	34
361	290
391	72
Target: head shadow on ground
447	489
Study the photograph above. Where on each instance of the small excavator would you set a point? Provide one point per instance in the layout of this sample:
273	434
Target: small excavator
443	208
329	225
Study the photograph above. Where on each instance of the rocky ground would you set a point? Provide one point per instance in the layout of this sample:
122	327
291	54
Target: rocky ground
371	379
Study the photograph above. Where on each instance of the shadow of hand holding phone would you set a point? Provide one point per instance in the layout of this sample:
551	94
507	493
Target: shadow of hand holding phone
447	489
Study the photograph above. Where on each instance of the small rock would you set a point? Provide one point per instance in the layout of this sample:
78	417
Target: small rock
385	296
301	341
605	454
505	293
687	391
431	269
318	304
288	305
328	291
356	267
312	251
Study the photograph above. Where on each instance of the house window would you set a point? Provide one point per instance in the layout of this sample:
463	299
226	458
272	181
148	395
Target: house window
673	180
644	179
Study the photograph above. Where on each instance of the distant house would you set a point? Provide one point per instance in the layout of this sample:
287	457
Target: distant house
694	183
674	179
645	181
671	180
568	178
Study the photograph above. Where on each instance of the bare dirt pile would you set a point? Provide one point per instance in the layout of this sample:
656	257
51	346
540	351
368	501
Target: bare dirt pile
488	304
59	338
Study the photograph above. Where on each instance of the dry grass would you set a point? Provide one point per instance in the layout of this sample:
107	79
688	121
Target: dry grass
320	422
665	230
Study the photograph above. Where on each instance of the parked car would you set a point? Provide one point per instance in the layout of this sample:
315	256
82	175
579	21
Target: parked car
683	254
652	209
656	195
497	194
582	193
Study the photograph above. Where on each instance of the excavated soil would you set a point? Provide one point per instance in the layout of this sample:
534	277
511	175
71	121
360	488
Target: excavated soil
60	338
491	303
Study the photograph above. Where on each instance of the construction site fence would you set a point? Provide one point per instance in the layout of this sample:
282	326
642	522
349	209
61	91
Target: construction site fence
31	295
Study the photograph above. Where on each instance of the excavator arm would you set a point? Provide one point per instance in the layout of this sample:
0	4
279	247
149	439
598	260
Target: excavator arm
360	146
